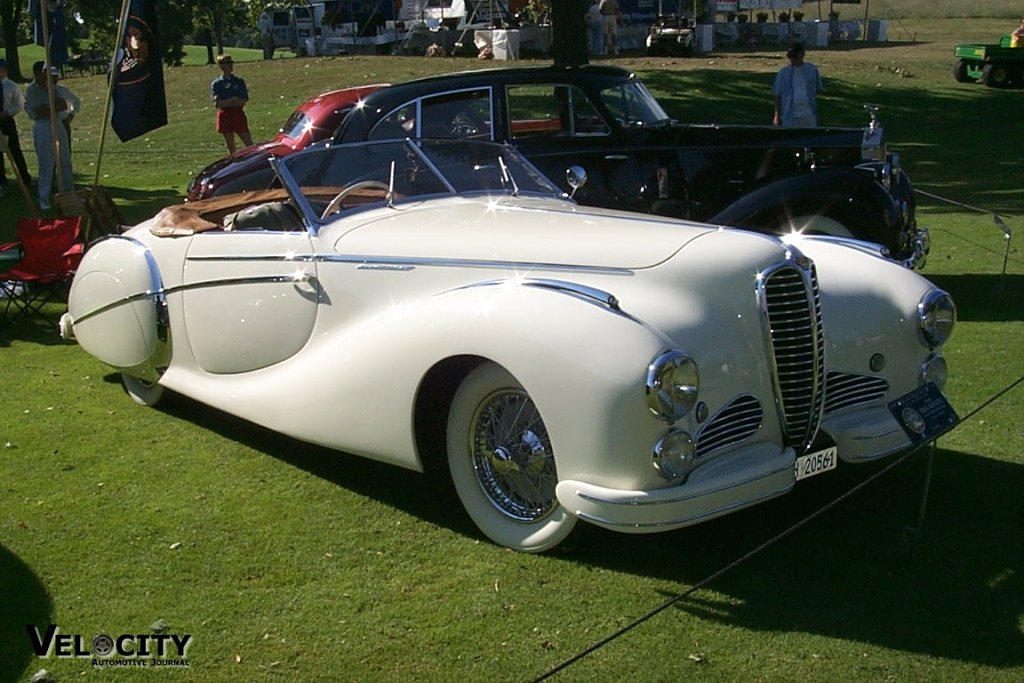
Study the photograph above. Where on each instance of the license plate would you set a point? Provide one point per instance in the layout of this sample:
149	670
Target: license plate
816	463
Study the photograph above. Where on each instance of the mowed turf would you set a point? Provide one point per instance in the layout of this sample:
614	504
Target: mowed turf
284	561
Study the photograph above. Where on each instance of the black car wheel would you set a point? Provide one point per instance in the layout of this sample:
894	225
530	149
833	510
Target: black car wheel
960	72
995	75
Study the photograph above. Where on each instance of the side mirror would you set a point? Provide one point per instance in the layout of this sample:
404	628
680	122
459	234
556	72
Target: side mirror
576	176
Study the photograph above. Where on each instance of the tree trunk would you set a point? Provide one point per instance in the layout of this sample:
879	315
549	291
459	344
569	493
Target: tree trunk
10	17
569	32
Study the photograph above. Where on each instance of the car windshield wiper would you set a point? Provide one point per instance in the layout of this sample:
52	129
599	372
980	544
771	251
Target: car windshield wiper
506	176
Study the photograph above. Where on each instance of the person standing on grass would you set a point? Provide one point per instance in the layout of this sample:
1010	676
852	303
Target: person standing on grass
610	12
796	89
11	104
37	107
230	96
595	28
266	28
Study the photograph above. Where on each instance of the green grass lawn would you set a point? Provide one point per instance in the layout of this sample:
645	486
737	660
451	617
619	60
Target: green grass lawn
284	561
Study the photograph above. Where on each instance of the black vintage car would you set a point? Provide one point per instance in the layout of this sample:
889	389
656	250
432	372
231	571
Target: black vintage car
837	181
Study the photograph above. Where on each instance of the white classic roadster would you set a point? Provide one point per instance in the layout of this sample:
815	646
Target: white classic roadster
443	297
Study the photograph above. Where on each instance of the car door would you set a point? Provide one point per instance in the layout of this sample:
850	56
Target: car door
250	298
556	126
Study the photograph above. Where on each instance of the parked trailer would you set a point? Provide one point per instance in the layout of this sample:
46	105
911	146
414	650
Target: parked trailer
997	66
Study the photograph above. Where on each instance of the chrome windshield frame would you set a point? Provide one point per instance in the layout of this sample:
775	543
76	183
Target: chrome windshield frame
313	222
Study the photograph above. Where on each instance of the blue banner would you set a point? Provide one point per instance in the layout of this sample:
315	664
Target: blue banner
139	99
56	29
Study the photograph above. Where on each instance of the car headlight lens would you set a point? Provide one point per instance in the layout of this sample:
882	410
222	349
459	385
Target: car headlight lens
674	455
671	385
936	317
934	370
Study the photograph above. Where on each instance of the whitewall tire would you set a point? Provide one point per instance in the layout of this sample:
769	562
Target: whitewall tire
142	392
502	463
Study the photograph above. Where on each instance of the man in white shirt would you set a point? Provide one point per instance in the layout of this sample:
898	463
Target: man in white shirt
11	104
37	107
796	89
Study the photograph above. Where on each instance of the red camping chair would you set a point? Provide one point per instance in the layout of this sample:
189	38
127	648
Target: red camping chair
52	248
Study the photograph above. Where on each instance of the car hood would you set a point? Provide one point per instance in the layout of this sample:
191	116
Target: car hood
514	230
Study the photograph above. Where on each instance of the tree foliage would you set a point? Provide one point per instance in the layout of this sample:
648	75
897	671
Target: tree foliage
92	24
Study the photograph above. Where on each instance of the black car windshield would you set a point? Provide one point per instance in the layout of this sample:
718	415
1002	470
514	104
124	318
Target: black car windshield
404	170
632	105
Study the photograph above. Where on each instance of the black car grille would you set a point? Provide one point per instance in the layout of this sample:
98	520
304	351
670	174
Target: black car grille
844	390
739	419
793	308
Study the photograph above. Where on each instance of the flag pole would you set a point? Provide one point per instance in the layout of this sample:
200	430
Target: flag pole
44	20
121	29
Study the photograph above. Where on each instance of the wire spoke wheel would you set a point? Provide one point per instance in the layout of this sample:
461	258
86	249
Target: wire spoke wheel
502	462
512	456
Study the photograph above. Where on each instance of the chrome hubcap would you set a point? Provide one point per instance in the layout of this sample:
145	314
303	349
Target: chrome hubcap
512	456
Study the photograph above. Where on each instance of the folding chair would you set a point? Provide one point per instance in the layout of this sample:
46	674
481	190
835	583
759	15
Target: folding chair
52	249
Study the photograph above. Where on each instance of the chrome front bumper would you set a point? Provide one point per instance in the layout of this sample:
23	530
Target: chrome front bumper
726	484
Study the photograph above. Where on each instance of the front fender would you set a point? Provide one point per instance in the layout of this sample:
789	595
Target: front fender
582	361
850	196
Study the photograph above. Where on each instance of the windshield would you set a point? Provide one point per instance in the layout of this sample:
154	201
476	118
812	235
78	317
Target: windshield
632	105
404	170
296	125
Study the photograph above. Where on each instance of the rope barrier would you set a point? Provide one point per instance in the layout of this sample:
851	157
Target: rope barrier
996	218
767	544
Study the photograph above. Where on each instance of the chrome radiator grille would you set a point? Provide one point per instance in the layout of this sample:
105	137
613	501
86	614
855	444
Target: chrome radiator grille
732	424
793	308
844	390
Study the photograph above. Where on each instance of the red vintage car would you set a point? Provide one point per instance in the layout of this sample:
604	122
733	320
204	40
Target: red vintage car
314	120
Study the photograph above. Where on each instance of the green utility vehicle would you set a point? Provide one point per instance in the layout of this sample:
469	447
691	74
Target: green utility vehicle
997	66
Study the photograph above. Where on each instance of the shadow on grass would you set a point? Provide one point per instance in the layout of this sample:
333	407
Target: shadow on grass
954	589
35	329
865	571
395	486
985	298
25	602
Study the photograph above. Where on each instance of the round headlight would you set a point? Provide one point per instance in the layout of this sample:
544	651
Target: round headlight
934	370
674	454
936	317
671	385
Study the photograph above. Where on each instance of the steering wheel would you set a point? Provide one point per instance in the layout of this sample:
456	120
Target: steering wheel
335	203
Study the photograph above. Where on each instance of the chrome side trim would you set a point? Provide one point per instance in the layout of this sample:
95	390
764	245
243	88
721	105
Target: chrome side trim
408	263
591	294
599	295
160	295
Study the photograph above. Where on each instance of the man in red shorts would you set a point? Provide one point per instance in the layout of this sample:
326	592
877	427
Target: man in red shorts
230	97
